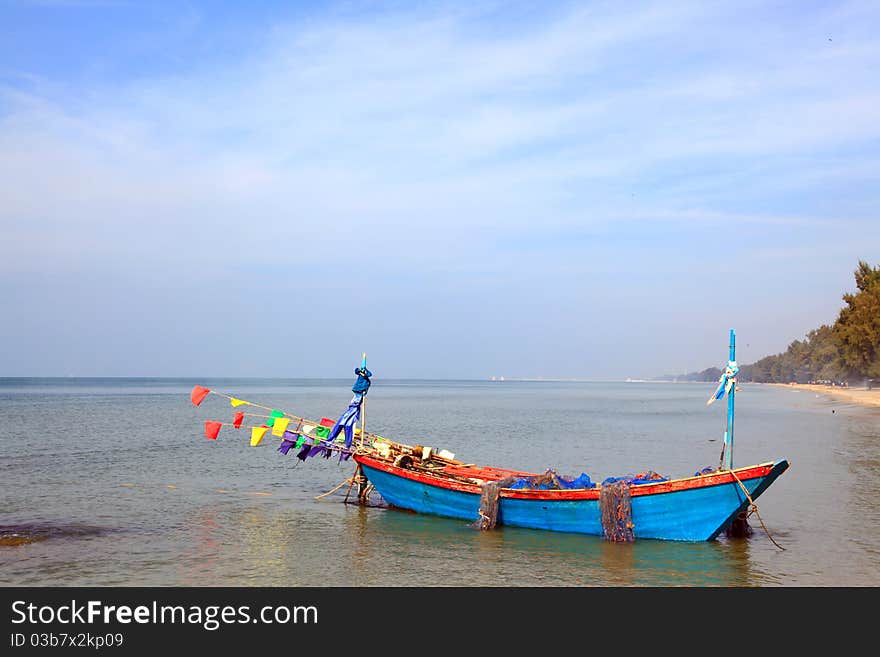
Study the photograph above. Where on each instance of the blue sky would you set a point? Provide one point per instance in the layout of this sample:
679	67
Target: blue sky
462	190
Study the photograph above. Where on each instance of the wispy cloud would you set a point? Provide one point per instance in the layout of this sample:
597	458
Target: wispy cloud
443	139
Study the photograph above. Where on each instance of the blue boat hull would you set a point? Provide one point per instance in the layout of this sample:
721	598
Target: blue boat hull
690	511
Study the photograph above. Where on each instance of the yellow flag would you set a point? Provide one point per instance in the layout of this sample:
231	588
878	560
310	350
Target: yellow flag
257	434
237	402
280	425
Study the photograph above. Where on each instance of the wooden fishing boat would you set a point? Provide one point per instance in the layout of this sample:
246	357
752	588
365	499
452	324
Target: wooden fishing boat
697	508
425	480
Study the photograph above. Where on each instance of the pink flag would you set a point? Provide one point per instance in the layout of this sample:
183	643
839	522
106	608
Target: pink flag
198	394
212	429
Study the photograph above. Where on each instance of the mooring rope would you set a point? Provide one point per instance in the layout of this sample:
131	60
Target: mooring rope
754	509
347	481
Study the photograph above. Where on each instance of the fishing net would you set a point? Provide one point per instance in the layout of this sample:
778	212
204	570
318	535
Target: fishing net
614	498
615	505
491	492
740	527
551	480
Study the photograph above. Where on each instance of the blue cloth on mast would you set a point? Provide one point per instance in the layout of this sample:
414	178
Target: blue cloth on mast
726	382
346	421
362	385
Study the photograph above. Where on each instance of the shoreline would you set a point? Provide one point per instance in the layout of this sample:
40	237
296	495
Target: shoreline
859	396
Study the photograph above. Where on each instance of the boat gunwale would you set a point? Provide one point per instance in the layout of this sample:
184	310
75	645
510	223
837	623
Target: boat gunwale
573	494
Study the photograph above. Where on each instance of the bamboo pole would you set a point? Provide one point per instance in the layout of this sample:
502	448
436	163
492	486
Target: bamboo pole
730	407
364	404
358	472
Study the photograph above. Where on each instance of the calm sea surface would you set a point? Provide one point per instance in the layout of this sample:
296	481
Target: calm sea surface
110	482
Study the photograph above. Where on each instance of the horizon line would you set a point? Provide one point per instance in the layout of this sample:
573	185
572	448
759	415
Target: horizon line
489	379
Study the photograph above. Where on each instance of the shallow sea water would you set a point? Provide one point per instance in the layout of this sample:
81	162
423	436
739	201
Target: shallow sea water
110	482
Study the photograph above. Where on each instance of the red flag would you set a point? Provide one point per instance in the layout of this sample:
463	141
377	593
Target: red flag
327	422
198	394
236	420
212	429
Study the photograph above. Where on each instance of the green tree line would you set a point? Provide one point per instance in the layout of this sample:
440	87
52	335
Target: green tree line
846	351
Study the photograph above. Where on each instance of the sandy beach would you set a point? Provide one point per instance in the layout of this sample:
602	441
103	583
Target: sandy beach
861	396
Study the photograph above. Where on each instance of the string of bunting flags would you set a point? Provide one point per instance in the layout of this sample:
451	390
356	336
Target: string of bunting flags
309	438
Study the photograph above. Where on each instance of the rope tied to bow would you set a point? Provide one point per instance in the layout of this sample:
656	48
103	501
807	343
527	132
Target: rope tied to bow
753	508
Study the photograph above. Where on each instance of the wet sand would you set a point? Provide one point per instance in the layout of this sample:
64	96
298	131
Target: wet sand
853	395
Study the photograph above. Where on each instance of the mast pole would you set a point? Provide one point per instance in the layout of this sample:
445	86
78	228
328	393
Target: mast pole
359	477
363	406
730	405
740	527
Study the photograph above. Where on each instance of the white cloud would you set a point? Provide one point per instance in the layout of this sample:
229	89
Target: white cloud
457	146
419	119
